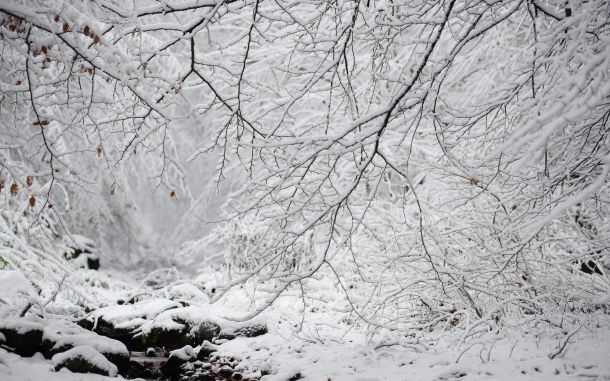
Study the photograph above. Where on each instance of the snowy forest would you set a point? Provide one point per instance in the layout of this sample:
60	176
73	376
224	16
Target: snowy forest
325	190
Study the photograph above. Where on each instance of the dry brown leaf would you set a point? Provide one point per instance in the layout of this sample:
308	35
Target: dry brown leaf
29	181
32	201
14	189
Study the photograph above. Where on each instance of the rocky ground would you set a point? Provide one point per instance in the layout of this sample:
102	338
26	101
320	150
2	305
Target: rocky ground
158	339
172	332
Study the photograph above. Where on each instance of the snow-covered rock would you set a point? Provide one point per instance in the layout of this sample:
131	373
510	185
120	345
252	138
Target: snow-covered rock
84	359
21	335
187	291
205	350
62	336
177	359
120	322
199	323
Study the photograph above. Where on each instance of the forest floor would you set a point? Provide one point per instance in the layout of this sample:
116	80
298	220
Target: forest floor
326	345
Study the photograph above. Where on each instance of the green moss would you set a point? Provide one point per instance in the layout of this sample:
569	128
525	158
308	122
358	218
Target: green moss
4	263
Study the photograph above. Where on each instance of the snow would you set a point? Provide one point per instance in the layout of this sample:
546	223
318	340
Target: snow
185	353
187	291
355	358
130	315
89	354
81	242
196	315
21	325
16	291
15	368
65	333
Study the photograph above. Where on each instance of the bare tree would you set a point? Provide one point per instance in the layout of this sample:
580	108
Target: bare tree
443	160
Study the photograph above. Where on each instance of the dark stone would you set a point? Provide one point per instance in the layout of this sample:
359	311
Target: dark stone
207	331
86	324
225	371
205	376
205	351
590	267
138	370
171	368
296	377
121	360
93	262
24	341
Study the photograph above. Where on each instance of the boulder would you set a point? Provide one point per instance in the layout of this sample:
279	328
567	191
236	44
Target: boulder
58	338
252	330
139	370
105	328
176	360
168	337
208	331
205	350
21	336
84	359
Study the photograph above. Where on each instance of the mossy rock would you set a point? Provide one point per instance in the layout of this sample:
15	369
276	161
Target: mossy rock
168	338
207	331
253	330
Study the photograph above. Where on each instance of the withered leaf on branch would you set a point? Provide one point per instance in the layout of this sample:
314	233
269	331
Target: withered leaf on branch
172	194
474	181
14	189
29	181
41	122
32	201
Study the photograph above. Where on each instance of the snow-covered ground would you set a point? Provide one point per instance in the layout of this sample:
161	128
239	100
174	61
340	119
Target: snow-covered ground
327	346
515	358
